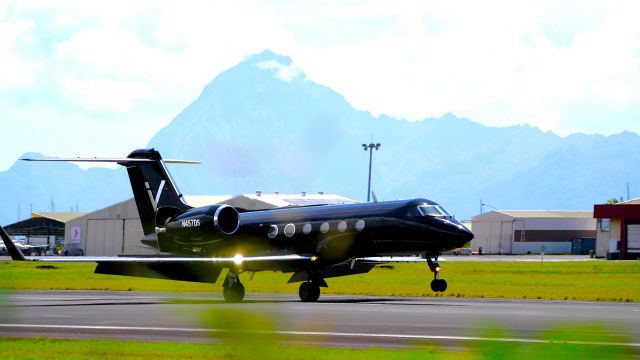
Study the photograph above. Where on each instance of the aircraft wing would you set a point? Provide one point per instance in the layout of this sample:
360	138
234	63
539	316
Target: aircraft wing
237	260
199	269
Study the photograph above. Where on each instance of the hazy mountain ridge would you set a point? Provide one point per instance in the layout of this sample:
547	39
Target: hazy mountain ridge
263	125
29	185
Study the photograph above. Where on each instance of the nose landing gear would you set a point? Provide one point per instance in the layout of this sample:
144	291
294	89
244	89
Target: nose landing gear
437	284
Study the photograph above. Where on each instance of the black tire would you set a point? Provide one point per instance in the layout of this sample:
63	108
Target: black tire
438	285
309	292
435	285
234	293
443	285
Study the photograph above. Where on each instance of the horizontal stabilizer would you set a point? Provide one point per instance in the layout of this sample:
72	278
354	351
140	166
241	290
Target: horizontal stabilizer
123	265
121	161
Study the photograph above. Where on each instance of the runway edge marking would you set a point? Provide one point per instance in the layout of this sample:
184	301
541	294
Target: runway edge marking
319	333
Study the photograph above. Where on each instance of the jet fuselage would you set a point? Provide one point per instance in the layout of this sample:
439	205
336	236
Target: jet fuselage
332	232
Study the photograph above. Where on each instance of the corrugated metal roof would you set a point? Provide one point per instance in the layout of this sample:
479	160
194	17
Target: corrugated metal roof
282	200
60	216
276	200
630	202
204	200
543	214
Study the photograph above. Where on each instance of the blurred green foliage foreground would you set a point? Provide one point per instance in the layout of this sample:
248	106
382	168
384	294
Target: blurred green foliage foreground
243	335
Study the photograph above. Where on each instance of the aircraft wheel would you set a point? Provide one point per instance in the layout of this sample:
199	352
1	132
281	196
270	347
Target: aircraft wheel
438	285
443	285
309	292
234	293
434	285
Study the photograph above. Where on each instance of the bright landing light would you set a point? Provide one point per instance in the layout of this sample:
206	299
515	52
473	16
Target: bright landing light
238	259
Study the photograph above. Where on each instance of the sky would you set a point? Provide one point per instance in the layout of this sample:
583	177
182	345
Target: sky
98	78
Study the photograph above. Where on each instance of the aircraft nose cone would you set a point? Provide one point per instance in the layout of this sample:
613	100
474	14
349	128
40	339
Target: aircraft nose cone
466	234
463	234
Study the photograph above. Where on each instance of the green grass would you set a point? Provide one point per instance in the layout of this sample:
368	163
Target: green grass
589	280
41	348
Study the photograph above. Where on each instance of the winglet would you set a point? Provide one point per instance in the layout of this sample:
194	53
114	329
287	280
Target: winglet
13	250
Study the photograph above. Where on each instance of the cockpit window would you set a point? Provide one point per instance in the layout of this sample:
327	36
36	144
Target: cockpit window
433	211
413	211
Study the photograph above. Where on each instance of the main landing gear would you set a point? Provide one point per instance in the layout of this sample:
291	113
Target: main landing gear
309	291
310	287
233	290
437	284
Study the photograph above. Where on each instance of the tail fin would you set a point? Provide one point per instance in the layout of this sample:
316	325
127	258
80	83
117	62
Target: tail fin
152	185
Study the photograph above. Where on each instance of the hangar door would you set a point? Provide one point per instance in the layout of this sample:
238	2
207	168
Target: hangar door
633	238
105	237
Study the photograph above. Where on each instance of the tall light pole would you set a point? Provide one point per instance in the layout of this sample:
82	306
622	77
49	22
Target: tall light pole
482	204
370	147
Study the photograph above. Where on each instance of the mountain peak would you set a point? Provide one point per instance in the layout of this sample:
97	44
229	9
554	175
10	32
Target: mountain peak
31	155
267	56
278	66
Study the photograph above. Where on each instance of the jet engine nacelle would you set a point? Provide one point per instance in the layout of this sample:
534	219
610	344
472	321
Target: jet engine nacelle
223	219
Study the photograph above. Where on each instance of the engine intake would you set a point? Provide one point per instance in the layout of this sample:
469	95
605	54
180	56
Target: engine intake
226	219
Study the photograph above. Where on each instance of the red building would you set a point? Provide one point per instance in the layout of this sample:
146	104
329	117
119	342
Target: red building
618	235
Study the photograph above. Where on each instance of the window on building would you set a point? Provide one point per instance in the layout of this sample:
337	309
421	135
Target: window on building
605	225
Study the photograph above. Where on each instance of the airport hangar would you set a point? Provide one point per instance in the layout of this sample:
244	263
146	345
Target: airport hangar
42	228
534	231
116	229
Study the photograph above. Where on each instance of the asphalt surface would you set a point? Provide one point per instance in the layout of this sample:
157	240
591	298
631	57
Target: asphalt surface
342	321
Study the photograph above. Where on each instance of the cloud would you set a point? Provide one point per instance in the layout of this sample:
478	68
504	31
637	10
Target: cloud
496	62
496	67
16	69
99	94
282	72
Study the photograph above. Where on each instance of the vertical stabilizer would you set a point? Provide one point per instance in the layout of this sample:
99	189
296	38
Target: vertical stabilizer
152	186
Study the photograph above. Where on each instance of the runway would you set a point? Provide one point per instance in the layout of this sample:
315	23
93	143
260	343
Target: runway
345	321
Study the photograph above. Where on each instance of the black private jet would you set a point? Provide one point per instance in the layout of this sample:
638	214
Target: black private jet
311	242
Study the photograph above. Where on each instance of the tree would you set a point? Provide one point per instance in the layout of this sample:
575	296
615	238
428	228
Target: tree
614	201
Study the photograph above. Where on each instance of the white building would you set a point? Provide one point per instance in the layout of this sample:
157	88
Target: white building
534	231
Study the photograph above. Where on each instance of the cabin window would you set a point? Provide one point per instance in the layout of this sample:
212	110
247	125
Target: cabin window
306	229
289	230
273	231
